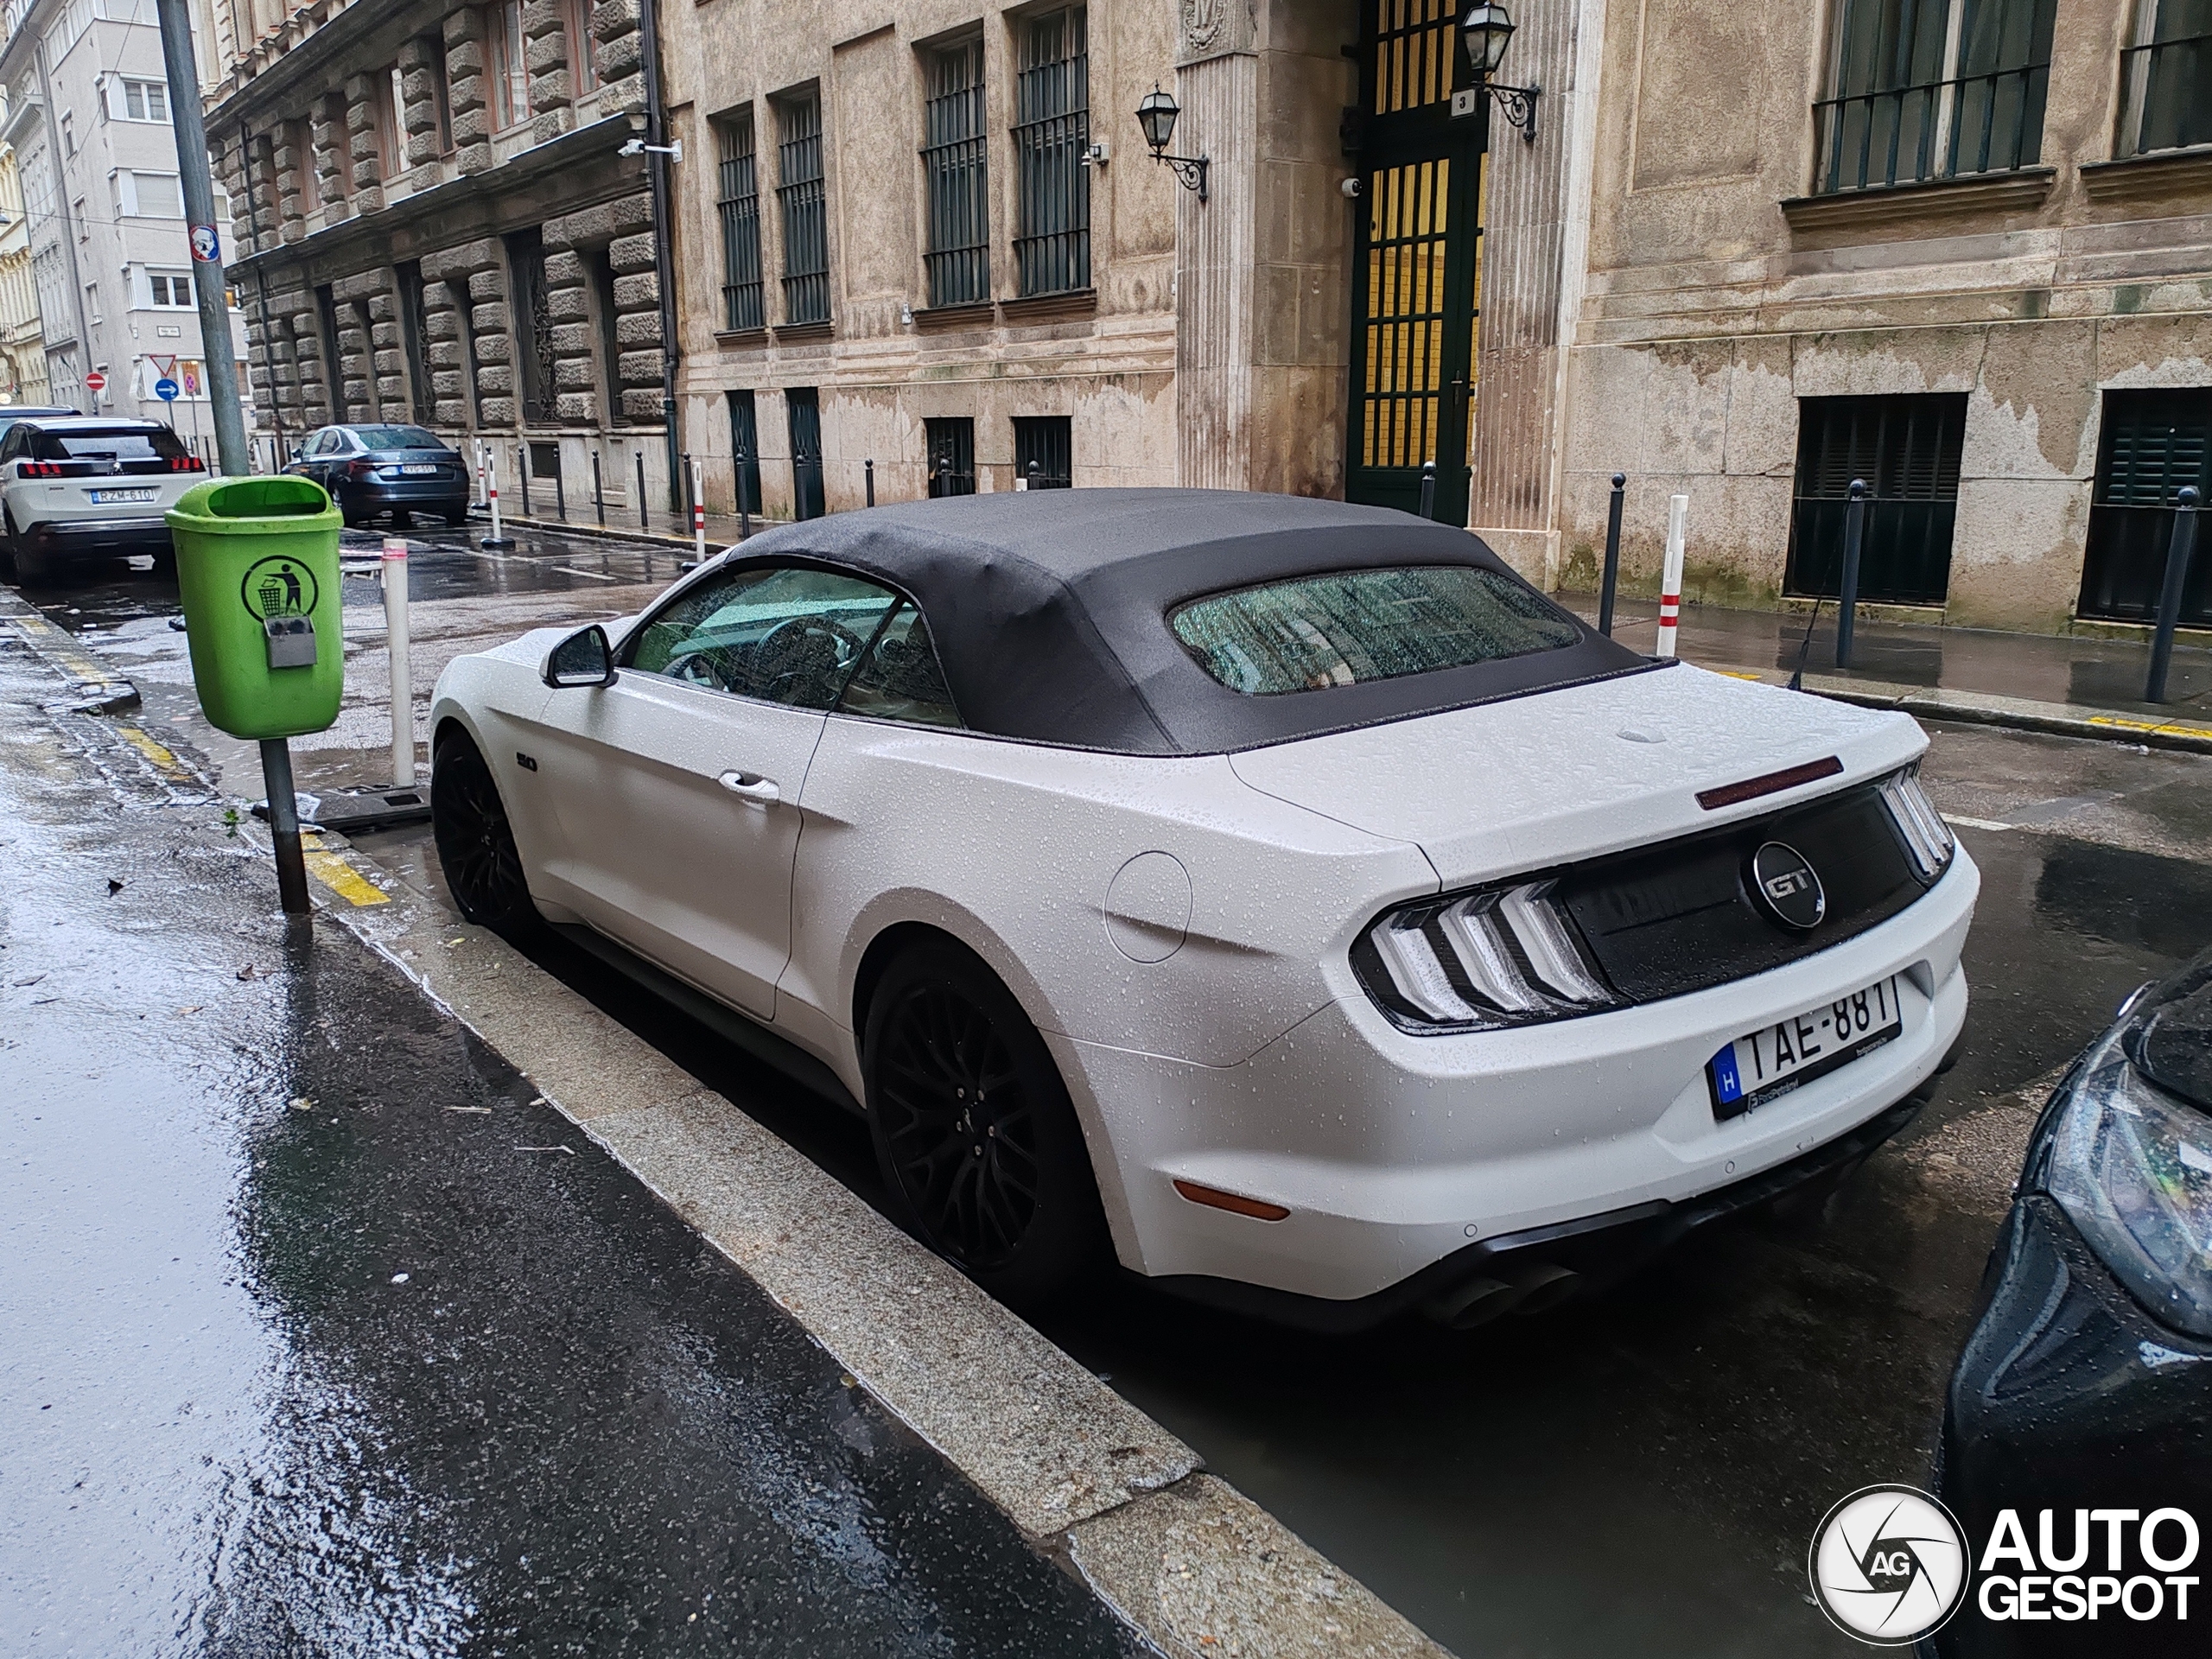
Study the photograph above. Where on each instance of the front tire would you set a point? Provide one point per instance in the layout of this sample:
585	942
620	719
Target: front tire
476	844
973	1129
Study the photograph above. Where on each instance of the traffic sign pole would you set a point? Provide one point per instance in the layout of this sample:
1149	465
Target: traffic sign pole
220	367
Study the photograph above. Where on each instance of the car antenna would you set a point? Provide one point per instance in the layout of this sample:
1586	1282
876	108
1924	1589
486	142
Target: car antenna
1798	675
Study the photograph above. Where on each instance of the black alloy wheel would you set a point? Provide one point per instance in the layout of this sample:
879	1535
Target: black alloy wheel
973	1129
476	845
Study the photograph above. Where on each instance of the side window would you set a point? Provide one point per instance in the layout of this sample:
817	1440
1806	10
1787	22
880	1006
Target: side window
325	441
900	678
782	634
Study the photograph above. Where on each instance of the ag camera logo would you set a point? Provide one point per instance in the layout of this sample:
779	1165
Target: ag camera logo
1889	1565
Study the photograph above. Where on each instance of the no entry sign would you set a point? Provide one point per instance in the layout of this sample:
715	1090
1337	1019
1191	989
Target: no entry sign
96	381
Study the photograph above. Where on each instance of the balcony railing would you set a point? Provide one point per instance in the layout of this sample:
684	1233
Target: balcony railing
1940	129
2165	90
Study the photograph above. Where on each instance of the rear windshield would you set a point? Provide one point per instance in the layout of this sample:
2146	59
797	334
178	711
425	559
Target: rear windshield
397	437
111	443
1350	626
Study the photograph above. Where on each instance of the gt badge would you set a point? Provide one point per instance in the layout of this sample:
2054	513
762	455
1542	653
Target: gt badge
1788	886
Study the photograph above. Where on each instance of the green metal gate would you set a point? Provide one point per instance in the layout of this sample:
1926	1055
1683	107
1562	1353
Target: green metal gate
1416	276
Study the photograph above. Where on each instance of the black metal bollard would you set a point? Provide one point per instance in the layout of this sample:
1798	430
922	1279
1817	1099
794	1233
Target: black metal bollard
1428	489
868	466
1611	580
1854	539
598	492
560	495
744	498
2169	593
522	472
1034	470
642	524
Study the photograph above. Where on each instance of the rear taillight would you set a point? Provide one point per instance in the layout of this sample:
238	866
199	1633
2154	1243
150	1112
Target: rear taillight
38	469
186	464
360	469
1927	840
1503	957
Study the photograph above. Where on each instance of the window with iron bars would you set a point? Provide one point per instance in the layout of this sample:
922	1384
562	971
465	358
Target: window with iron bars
1933	89
2165	83
1052	244
739	203
803	198
1044	452
952	455
959	258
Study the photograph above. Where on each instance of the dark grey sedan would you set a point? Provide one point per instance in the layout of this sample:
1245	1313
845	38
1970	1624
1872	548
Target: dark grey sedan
374	469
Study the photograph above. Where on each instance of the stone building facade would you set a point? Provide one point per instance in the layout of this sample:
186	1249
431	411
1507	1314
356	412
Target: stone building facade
1961	249
23	344
440	226
103	213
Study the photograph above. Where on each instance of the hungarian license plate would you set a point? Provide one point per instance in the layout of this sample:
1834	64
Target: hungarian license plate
421	472
111	498
1776	1058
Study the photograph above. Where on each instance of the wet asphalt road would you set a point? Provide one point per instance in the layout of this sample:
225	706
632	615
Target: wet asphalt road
1640	1472
324	1338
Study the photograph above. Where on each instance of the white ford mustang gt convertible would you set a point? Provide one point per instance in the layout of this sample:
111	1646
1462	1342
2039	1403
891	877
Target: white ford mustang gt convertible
1279	895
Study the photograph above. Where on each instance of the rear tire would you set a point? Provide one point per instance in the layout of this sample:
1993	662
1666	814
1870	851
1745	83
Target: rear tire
8	550
973	1133
476	844
402	519
455	520
350	512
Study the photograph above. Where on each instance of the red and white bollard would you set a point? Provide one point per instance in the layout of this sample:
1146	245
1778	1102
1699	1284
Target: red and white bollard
396	643
498	537
698	515
480	471
1670	580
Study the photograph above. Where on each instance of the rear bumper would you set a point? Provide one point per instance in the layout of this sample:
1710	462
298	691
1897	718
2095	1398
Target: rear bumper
94	537
1406	1162
432	495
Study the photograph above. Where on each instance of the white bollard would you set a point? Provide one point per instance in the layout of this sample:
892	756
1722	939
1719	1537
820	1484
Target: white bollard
498	537
1670	580
403	680
698	515
480	471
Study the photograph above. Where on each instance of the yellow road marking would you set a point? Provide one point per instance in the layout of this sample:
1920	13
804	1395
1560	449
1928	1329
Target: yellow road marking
1738	674
162	758
341	878
2169	729
54	642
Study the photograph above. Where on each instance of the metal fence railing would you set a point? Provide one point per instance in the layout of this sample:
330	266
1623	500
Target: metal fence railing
2165	92
1938	130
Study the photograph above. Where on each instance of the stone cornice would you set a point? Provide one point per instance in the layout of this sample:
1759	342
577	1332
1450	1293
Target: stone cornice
2161	173
1902	205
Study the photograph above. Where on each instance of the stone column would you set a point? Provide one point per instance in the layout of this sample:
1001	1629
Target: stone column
1216	83
622	58
363	167
545	55
449	277
418	120
469	91
334	161
490	319
292	167
636	320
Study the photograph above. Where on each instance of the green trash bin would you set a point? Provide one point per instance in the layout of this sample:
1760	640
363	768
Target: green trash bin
257	561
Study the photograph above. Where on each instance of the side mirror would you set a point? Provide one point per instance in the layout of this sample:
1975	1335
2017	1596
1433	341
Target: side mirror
584	658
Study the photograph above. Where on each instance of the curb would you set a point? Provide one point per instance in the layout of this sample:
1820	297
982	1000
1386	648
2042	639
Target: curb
1196	1568
93	689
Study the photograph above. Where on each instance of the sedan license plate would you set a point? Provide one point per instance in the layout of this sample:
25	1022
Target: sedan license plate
1772	1061
109	497
419	472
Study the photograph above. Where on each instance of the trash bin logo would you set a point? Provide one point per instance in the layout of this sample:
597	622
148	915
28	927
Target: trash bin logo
279	586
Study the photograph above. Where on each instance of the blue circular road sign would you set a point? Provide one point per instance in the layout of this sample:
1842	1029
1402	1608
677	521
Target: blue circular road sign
165	388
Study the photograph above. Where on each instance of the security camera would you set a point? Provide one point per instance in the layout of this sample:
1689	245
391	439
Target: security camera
1351	187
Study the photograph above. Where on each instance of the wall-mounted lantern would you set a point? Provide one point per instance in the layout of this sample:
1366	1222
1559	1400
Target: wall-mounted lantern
1487	29
1156	115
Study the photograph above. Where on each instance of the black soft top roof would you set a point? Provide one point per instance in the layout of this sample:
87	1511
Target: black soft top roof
1049	609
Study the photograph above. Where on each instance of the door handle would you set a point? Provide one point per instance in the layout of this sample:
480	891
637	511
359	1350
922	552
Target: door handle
752	786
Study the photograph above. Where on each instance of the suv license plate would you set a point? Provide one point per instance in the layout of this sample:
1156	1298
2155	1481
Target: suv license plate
107	497
419	472
1772	1061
